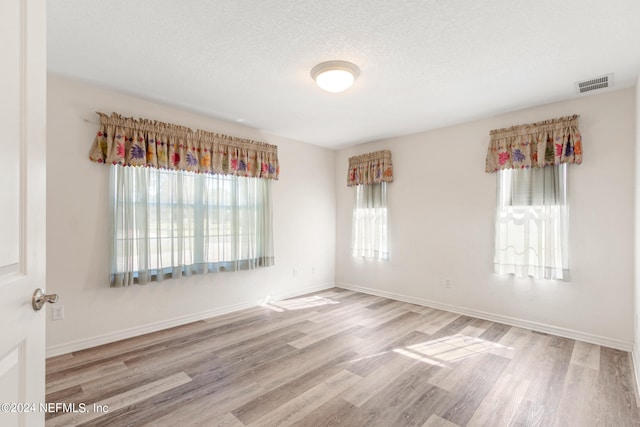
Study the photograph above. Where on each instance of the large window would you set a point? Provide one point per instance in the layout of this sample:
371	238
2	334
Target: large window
369	234
169	223
532	221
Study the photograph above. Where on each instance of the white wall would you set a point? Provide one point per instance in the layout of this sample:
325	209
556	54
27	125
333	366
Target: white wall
636	347
78	239
442	207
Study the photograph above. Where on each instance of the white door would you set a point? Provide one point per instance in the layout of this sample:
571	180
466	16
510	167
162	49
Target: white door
22	209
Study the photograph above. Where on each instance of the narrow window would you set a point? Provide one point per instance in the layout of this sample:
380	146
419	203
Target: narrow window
532	223
370	235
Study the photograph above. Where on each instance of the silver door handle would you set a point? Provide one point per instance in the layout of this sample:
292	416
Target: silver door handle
39	299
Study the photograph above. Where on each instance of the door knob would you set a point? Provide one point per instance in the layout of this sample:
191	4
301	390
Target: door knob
39	299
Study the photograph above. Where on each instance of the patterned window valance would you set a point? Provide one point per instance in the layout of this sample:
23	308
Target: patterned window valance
371	168
535	145
142	142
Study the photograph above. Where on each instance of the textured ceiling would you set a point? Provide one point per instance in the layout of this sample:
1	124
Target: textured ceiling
424	64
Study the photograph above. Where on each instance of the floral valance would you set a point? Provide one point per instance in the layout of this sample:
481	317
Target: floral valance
535	145
142	142
371	168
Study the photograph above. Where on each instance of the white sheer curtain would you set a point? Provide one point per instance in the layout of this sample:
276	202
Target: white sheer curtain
168	223
369	234
532	223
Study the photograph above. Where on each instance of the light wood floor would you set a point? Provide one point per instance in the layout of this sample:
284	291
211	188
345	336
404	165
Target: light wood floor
344	358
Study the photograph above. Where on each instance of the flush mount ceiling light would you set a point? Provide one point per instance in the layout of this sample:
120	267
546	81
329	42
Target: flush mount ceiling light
335	76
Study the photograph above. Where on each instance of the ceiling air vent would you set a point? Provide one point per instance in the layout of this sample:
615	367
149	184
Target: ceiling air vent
595	83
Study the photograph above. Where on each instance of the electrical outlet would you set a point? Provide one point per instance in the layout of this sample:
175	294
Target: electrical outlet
57	312
295	272
313	269
447	284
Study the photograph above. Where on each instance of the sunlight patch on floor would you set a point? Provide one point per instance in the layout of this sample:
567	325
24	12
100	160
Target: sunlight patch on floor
300	303
448	349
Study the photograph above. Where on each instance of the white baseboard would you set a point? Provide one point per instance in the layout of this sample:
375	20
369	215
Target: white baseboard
512	321
82	344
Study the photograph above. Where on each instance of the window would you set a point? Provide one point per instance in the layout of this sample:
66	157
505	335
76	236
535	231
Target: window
532	222
369	234
171	223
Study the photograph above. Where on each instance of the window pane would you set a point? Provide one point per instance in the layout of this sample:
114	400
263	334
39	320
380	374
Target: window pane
163	220
532	219
369	234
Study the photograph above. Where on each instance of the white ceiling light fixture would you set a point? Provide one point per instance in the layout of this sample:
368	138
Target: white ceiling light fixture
335	76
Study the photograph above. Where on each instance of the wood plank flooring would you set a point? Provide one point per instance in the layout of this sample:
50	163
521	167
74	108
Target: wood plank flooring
344	358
